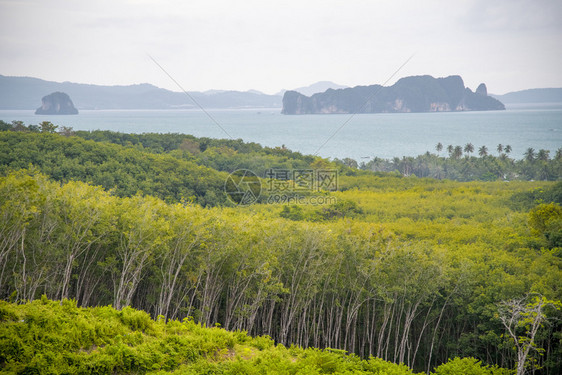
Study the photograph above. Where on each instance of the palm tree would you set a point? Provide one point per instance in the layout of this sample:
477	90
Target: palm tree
507	149
469	148
530	154
558	154
450	149
457	152
543	155
500	148
483	151
439	147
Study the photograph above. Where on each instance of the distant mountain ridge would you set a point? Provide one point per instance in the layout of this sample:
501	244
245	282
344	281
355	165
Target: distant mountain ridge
545	95
409	94
27	92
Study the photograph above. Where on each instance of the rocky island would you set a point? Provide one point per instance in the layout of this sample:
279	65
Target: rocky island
409	94
57	103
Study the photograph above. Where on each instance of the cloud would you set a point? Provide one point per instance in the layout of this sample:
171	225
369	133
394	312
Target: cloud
271	45
515	16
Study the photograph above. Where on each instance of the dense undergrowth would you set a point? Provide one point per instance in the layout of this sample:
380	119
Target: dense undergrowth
52	337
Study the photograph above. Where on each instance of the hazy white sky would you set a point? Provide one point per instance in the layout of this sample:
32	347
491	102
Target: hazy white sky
269	45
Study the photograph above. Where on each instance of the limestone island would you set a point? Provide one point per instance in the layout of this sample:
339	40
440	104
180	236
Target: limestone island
409	94
57	103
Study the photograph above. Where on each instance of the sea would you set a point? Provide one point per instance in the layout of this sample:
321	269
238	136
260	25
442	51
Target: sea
361	136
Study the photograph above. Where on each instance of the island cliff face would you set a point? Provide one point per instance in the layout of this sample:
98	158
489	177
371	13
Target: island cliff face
57	103
410	94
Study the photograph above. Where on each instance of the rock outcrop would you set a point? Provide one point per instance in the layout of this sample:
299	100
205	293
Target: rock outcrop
57	103
410	94
482	90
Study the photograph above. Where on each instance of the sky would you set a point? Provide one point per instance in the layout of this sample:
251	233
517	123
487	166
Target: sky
271	45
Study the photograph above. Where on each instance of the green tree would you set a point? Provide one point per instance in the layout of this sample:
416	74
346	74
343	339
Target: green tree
483	151
47	127
545	221
66	131
457	152
522	320
19	126
530	154
543	155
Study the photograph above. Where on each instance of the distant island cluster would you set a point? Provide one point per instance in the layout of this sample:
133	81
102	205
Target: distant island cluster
410	94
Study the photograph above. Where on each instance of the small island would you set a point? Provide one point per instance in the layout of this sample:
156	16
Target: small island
57	103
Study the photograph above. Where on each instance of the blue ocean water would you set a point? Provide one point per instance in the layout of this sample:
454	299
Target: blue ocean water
360	137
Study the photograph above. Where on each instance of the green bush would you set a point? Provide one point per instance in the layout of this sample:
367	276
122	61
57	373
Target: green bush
469	366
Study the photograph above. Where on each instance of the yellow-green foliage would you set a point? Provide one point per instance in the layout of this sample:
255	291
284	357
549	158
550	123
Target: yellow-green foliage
401	264
52	337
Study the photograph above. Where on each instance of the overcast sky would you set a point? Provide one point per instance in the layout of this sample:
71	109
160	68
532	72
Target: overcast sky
270	45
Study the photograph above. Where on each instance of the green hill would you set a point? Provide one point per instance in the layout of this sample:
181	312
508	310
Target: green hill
125	170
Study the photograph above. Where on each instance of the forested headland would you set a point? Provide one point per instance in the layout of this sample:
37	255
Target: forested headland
409	270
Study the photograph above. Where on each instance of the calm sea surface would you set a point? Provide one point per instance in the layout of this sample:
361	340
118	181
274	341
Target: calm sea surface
359	137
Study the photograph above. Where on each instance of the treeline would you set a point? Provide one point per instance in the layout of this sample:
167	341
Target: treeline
461	163
536	165
221	154
341	284
103	340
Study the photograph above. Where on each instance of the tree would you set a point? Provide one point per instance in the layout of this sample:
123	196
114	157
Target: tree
351	163
187	234
469	148
67	131
142	229
47	127
530	154
457	152
522	321
450	149
439	147
483	151
19	126
499	148
507	149
81	209
543	155
4	126
190	146
545	221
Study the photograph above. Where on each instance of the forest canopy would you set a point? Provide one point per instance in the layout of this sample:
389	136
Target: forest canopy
409	270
